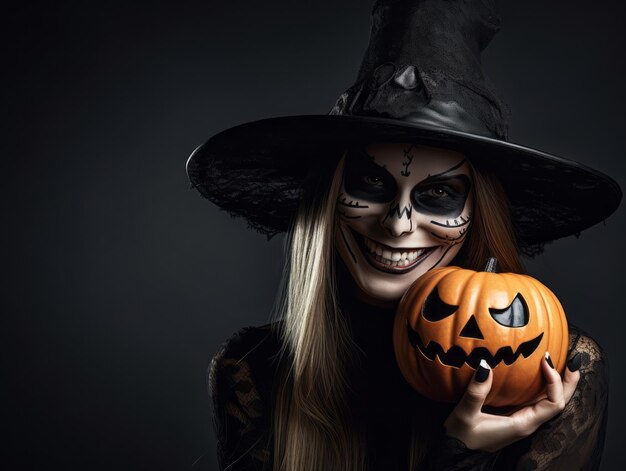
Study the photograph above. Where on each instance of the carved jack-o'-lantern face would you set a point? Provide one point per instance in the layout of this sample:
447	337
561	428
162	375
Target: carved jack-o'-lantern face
452	318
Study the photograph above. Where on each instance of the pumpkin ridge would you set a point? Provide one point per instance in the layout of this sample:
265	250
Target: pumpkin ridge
515	351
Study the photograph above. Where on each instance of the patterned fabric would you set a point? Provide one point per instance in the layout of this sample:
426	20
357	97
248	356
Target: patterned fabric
240	379
451	454
243	371
574	439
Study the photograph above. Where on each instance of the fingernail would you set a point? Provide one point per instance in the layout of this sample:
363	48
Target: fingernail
574	363
482	373
549	360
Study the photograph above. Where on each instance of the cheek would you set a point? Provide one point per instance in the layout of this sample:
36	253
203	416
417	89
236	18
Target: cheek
350	224
452	230
360	216
449	235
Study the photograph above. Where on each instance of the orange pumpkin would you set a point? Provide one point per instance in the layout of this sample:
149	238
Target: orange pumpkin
451	318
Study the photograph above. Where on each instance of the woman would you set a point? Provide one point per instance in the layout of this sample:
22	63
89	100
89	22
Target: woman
423	143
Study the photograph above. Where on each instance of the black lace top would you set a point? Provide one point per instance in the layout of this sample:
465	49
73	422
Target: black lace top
242	374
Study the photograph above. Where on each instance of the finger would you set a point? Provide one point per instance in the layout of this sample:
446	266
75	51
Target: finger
531	417
554	385
570	381
476	392
571	377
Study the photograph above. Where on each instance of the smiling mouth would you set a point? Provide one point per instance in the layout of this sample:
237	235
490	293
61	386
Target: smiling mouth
389	259
456	357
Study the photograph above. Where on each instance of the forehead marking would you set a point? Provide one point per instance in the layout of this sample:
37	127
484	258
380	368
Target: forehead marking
408	158
451	169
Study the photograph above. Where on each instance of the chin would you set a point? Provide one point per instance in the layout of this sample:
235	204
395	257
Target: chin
383	289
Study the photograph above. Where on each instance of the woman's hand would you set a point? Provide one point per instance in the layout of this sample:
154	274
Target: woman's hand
489	432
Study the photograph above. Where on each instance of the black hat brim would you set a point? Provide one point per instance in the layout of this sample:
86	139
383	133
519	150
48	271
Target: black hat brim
257	171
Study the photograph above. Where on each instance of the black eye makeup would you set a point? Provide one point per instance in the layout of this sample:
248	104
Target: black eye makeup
441	196
365	180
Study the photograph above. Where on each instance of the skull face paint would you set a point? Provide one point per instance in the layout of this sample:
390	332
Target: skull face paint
401	211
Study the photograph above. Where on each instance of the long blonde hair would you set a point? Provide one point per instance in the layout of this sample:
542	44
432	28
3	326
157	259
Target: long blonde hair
311	425
311	420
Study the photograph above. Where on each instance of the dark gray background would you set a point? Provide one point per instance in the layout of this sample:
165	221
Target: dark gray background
119	282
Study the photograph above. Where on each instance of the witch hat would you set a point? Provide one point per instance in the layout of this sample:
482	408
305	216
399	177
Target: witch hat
421	81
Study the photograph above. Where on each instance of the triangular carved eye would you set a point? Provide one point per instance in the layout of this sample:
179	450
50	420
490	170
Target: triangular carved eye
516	315
434	309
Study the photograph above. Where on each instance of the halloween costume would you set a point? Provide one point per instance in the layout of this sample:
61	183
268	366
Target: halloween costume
420	81
242	377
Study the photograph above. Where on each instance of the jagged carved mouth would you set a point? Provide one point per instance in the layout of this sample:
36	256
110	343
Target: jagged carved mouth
455	356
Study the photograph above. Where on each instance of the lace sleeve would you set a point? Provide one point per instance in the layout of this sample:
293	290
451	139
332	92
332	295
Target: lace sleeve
450	454
574	439
238	380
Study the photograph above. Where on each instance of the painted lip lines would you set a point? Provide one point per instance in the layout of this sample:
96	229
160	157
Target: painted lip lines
389	259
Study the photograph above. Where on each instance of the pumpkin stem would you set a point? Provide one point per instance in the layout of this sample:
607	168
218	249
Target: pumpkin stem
492	265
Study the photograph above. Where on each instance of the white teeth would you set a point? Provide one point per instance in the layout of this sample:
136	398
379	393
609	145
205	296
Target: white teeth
393	258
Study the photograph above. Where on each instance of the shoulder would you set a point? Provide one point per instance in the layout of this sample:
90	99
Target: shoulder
593	356
246	360
240	380
246	341
593	387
